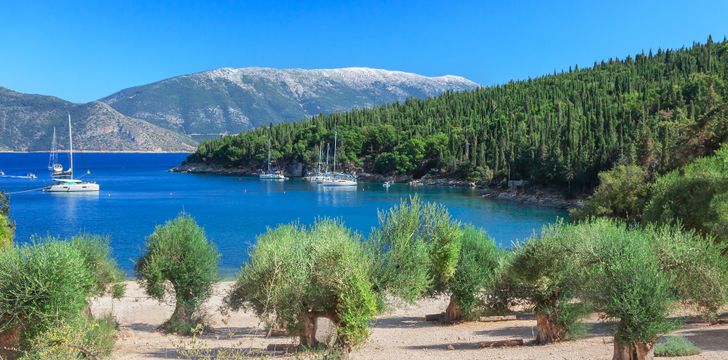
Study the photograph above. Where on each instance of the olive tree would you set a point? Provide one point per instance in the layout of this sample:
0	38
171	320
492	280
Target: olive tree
106	275
296	275
629	285
178	252
476	271
415	250
548	273
637	277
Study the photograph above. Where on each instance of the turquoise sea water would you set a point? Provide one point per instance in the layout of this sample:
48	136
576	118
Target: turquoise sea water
138	193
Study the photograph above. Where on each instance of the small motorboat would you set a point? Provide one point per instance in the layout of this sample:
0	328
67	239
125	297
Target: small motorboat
387	184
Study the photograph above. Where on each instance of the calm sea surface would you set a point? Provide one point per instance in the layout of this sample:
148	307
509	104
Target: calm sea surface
138	193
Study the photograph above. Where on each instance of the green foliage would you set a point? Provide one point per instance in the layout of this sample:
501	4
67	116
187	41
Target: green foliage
694	196
415	250
628	283
96	253
676	346
549	272
621	194
476	270
657	110
40	285
73	339
399	254
295	273
700	273
7	227
179	253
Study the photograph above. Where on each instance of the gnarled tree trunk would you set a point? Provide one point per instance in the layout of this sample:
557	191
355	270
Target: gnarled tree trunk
309	327
633	351
454	312
9	340
548	330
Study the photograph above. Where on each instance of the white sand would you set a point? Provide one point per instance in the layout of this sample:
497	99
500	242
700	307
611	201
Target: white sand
401	334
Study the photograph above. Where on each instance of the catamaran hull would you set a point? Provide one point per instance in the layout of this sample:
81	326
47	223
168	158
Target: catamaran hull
338	183
66	188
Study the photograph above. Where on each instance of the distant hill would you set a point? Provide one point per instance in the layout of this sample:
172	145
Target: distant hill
173	114
27	121
234	100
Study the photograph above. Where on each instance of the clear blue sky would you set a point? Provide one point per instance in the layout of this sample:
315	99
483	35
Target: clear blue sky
84	50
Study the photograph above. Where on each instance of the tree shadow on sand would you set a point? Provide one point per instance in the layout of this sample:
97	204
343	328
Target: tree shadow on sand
403	322
272	351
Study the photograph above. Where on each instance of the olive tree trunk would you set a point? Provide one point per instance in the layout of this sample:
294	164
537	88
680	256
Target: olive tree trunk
309	327
548	330
454	312
633	350
9	341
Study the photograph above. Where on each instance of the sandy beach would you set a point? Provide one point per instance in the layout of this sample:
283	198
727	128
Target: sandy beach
402	333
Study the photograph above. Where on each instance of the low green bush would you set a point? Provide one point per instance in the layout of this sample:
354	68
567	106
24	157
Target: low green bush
178	252
41	284
74	339
296	274
673	346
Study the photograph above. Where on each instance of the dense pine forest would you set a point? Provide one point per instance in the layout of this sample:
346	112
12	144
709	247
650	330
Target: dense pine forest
659	110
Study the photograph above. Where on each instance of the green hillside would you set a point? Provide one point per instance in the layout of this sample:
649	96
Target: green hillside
658	109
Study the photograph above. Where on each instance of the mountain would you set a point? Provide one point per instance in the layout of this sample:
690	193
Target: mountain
233	100
658	110
27	121
170	115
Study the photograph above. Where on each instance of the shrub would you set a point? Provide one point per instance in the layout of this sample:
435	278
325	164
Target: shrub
296	274
621	194
7	227
476	270
40	284
179	252
77	338
676	346
106	274
693	196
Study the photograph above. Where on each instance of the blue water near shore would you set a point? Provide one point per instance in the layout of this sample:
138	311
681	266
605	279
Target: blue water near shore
137	193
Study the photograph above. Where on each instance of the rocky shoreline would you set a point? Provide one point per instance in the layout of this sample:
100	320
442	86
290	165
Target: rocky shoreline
536	197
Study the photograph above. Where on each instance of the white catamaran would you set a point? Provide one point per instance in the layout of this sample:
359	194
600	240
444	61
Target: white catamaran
270	174
66	183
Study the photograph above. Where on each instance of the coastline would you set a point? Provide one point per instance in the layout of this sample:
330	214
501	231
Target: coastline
535	196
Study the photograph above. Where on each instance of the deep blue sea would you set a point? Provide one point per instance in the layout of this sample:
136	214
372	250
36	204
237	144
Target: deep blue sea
137	193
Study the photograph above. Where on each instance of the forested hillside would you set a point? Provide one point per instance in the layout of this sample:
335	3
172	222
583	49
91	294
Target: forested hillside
658	109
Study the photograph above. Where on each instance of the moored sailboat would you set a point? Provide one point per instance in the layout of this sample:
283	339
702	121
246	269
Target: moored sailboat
67	183
270	174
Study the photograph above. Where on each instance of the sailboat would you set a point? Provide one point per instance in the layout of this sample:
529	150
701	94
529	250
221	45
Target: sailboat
270	174
54	166
320	175
67	183
338	179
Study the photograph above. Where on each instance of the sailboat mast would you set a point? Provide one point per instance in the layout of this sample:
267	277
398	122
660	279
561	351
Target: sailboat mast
334	152
327	158
70	147
268	155
53	159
